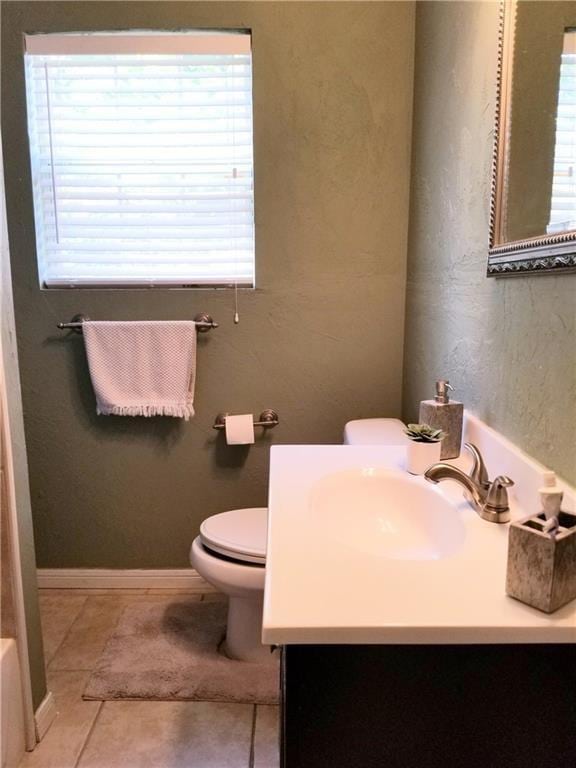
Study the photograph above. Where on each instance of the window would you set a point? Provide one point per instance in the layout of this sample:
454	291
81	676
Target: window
563	206
141	154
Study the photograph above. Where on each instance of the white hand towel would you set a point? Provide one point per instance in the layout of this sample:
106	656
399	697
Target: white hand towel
143	368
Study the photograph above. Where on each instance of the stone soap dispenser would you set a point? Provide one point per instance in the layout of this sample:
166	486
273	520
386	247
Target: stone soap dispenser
447	415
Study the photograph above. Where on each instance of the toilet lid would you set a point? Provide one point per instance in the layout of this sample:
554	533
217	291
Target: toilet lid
374	432
239	534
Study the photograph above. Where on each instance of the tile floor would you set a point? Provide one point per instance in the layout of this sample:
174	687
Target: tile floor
135	734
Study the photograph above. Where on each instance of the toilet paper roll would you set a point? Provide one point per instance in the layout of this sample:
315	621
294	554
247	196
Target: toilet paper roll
240	429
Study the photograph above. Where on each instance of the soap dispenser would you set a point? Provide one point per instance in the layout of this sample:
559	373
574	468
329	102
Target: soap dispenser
447	415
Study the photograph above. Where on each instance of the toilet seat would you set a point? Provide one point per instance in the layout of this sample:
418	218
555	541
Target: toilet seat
239	534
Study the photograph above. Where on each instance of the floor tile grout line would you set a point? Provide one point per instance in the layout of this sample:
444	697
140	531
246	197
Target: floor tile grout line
47	662
252	756
88	735
49	665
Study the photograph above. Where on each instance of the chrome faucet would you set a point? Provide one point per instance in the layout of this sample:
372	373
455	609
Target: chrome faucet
489	499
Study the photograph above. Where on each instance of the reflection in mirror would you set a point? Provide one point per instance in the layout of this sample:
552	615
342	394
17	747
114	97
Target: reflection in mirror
563	199
533	224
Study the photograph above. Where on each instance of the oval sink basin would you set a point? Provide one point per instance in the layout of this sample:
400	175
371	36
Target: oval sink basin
388	514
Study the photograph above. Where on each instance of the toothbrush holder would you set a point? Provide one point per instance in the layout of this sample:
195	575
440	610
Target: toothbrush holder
542	568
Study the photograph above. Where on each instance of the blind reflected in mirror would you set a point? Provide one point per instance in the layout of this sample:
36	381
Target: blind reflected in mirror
563	200
533	216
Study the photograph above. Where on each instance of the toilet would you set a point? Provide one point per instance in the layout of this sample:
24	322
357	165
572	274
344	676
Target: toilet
375	432
230	553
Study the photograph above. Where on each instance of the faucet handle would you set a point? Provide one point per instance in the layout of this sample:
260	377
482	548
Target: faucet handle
479	473
497	498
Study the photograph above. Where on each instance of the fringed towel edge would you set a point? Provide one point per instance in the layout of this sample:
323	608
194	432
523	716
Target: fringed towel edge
177	410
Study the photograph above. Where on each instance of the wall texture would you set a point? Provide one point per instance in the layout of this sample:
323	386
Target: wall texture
320	340
507	345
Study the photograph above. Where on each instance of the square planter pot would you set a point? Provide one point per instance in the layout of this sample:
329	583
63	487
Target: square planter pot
420	456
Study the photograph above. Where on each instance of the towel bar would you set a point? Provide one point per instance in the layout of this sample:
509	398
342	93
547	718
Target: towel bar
203	322
268	418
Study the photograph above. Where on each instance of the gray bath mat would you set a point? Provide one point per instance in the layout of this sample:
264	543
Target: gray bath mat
169	651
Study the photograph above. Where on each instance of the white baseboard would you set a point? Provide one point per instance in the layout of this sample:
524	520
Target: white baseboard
104	578
44	715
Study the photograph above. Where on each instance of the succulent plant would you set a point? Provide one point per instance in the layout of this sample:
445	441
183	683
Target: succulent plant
424	433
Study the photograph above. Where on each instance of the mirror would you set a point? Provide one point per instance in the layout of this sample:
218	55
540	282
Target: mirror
533	211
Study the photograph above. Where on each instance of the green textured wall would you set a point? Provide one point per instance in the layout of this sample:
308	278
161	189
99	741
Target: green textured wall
508	345
321	340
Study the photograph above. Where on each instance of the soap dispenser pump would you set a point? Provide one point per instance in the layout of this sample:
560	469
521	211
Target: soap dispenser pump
447	415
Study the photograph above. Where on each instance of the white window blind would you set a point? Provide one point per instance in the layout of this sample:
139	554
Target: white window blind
141	153
563	206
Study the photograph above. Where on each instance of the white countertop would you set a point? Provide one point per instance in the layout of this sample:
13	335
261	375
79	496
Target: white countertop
319	590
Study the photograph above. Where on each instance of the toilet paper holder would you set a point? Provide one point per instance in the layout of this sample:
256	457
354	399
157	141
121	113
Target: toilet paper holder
268	418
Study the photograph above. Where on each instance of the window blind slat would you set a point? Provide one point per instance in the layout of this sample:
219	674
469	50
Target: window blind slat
116	128
79	62
165	112
115	245
142	167
134	213
142	259
107	189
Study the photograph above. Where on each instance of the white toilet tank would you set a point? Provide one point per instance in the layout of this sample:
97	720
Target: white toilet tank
374	432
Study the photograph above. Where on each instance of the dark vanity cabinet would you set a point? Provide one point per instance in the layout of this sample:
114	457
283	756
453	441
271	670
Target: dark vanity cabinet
429	706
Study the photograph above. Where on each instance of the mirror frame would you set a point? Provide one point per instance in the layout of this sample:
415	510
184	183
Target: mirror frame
536	255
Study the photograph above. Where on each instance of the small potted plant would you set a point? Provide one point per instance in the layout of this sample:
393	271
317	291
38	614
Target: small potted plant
424	446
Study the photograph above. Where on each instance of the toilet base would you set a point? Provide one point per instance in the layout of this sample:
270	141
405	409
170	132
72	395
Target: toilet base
243	584
243	632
